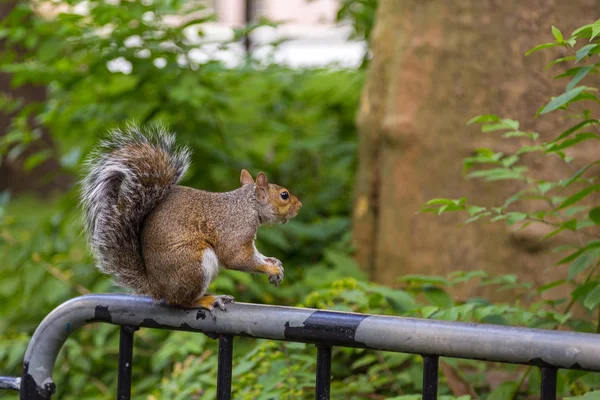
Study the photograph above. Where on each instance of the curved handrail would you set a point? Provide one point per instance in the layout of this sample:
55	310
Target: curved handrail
399	334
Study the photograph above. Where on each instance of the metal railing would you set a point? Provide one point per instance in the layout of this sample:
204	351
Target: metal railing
546	349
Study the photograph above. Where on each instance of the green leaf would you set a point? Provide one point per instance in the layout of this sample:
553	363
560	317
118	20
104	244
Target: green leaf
586	96
575	128
543	187
570	224
541	47
580	137
584	223
562	100
553	233
472	210
594	215
446	201
510	161
579	265
579	76
557	34
579	196
582	290
36	159
477	217
503	392
433	280
450	314
483	119
530	135
593	298
514	217
583	31
364	361
551	285
574	210
496	174
428	311
585	51
593	395
504	124
559	60
464	276
595	244
400	298
484	156
438	297
528	149
595	29
449	208
576	176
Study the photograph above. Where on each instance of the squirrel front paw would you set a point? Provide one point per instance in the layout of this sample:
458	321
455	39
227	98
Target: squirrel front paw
275	270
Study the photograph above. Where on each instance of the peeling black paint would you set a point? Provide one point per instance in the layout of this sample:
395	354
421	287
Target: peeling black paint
101	314
321	327
212	335
151	323
327	327
31	391
200	315
539	362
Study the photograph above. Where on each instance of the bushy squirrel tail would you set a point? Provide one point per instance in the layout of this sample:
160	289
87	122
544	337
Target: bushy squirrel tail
127	176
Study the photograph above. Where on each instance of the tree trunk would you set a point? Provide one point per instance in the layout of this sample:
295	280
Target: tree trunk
435	65
47	176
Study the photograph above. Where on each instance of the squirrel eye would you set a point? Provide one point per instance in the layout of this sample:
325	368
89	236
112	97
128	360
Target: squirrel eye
285	195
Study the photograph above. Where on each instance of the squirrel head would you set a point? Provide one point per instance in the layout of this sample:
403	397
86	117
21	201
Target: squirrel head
276	205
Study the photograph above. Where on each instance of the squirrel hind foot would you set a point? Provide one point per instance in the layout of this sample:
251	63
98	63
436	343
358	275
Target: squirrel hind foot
209	302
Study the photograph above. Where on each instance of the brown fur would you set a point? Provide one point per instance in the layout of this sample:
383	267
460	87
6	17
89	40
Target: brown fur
168	241
189	221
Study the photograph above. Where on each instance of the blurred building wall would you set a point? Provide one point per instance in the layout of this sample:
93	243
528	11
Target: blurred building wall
231	12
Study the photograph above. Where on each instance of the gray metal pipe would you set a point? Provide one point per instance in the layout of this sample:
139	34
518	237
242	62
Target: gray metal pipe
9	383
408	335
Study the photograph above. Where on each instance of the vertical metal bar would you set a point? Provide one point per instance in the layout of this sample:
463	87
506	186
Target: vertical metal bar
125	361
548	389
247	22
430	377
323	372
224	367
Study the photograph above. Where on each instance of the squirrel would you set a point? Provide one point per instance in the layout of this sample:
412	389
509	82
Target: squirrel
167	241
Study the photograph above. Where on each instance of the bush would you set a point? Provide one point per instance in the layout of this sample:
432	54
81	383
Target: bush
296	125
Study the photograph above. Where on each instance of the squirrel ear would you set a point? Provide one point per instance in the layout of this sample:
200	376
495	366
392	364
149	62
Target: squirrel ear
262	186
246	178
261	180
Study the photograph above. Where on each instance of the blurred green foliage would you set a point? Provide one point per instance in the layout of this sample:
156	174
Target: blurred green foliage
361	15
296	125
